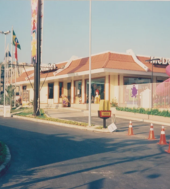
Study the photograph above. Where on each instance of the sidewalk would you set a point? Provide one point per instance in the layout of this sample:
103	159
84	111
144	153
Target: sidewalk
76	115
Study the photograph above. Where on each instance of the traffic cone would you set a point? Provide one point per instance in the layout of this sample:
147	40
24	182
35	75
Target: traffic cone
168	151
151	133
130	131
162	137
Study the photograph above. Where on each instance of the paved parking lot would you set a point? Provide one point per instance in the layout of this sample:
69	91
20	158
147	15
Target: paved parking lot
140	128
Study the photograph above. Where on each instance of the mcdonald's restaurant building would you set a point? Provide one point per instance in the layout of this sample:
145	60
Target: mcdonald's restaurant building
70	79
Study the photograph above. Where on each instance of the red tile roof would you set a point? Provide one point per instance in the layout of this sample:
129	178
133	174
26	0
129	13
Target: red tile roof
104	60
149	65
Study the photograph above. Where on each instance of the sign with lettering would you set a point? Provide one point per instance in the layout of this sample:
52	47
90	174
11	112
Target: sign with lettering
25	95
104	113
47	68
162	61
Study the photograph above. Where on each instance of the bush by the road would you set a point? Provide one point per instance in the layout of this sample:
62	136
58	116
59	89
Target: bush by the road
29	113
2	152
155	112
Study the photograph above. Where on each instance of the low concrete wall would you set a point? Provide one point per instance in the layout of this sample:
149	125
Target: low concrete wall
143	117
94	107
159	118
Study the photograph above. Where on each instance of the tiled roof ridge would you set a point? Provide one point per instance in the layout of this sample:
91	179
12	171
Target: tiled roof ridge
107	60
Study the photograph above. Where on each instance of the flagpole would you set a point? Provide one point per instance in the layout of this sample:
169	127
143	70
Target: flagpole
90	65
11	52
7	61
4	75
15	82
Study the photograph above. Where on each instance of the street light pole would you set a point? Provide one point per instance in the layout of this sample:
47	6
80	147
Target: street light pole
5	33
5	74
151	60
90	65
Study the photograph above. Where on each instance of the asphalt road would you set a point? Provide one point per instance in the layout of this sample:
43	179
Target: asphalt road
141	129
47	156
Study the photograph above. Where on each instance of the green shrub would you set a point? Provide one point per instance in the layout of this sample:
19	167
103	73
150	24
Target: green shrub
114	103
43	116
156	112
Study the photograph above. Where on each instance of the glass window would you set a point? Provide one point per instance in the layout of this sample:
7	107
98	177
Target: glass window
137	80
24	87
97	90
77	91
160	79
50	90
60	89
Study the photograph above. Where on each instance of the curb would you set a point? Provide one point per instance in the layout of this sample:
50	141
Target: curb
4	167
87	128
63	124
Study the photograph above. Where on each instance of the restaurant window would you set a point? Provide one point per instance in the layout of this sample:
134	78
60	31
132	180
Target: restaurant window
160	79
60	89
24	87
50	90
137	80
77	91
97	90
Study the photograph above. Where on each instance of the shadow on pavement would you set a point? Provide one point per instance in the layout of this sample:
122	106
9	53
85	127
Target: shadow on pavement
34	146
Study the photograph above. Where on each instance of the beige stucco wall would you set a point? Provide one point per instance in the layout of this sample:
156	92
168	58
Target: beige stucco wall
44	93
121	94
65	88
107	87
72	90
31	92
83	90
113	87
56	91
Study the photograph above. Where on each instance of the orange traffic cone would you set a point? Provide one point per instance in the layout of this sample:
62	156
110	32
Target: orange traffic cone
162	137
151	133
168	151
130	131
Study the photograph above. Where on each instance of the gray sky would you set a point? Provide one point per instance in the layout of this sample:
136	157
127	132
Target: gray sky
116	26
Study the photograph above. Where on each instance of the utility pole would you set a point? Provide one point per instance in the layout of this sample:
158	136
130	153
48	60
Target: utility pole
5	33
151	60
37	64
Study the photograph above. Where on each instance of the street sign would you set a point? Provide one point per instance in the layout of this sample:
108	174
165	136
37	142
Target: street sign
112	127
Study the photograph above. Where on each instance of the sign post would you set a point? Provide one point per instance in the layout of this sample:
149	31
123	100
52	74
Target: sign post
104	111
36	51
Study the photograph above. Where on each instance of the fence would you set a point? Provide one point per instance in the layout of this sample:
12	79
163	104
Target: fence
156	95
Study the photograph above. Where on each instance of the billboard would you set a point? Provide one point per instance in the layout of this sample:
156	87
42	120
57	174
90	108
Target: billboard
41	25
34	13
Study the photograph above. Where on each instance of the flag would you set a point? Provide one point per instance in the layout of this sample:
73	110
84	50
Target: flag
16	54
15	41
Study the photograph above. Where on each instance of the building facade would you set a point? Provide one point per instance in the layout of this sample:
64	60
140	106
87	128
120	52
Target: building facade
108	71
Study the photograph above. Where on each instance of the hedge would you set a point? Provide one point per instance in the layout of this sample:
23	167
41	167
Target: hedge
164	113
